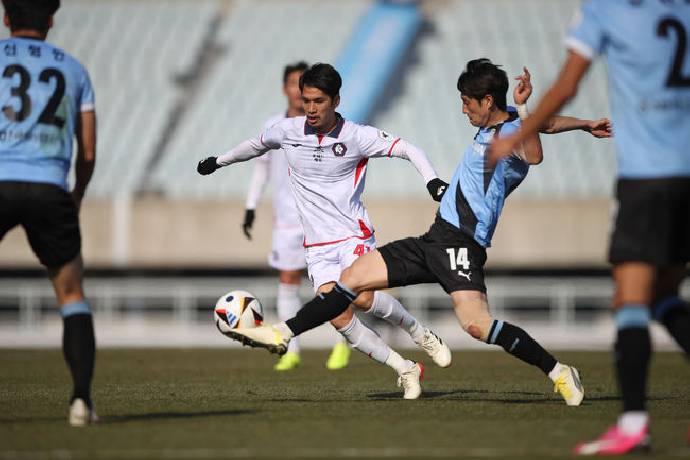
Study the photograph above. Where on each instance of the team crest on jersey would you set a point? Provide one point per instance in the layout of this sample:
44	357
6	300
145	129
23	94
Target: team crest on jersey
339	149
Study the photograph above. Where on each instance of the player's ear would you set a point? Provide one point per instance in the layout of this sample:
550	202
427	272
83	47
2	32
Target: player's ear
336	101
50	22
6	21
489	101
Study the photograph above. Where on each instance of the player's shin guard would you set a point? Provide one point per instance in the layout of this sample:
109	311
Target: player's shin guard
365	340
390	309
288	304
520	344
633	350
673	313
79	347
322	308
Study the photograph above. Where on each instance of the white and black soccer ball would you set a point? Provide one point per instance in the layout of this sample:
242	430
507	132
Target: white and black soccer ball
237	309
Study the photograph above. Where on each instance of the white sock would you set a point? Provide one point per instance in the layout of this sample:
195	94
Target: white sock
390	309
365	340
288	304
555	372
398	363
633	422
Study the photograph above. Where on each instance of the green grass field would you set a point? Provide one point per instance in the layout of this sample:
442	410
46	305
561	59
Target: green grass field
202	404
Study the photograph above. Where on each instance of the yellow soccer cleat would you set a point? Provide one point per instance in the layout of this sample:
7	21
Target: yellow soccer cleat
268	337
568	385
288	361
339	358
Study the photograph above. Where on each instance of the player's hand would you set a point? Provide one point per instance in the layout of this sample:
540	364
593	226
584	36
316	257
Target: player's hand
523	90
207	166
437	188
249	216
601	129
500	148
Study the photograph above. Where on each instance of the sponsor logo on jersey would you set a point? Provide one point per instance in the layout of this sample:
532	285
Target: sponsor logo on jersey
384	135
339	149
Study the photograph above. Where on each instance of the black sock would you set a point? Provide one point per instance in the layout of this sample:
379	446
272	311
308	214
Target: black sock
673	313
520	344
322	308
633	350
79	348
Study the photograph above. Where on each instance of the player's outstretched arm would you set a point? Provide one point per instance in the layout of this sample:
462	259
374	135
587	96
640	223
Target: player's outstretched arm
600	128
434	185
271	139
555	98
86	154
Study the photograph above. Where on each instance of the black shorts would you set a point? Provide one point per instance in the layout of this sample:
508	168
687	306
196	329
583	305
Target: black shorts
49	217
443	255
653	222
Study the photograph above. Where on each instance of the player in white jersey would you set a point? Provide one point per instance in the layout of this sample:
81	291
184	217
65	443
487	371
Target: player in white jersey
327	157
287	252
47	102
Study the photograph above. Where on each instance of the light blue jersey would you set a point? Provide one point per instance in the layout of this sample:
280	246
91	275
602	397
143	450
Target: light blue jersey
647	48
476	194
42	91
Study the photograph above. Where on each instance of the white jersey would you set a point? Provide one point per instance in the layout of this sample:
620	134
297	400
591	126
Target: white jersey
327	172
273	167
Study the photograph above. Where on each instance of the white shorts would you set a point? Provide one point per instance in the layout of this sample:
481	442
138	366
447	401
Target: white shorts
325	263
287	252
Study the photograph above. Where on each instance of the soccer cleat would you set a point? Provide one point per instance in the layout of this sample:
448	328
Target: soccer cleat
435	348
268	337
339	357
80	414
288	361
568	385
616	442
409	381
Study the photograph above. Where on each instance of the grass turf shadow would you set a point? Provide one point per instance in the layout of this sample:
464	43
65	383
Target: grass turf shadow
134	417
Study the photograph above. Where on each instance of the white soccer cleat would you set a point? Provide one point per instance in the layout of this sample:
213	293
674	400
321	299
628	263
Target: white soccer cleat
435	348
268	337
410	381
569	386
81	415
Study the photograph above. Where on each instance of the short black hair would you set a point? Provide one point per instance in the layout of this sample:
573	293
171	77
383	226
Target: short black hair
300	66
323	77
481	78
30	14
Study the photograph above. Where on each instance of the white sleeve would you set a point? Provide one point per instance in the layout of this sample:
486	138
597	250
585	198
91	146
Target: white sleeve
270	139
416	156
258	181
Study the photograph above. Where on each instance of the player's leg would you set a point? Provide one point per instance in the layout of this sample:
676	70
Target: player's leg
287	304
78	340
669	309
51	223
366	341
472	310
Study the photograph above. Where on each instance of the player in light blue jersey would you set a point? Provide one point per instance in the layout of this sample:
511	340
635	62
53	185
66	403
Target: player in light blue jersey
645	44
46	101
453	252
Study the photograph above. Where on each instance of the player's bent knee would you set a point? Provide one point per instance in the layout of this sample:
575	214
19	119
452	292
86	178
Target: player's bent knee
475	332
351	279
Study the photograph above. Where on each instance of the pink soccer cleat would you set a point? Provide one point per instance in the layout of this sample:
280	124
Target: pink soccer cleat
615	442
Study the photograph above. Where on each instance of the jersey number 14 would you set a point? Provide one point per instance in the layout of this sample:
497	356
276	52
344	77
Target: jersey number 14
458	260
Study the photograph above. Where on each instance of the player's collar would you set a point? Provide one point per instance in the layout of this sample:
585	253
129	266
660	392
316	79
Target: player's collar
334	133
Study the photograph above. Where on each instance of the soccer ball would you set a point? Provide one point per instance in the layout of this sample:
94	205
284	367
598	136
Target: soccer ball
237	309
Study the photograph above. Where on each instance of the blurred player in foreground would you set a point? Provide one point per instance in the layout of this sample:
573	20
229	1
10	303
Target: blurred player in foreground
649	70
453	251
287	252
46	100
328	156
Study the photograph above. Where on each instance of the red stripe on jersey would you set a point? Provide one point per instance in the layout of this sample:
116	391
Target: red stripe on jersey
360	168
366	234
319	137
390	150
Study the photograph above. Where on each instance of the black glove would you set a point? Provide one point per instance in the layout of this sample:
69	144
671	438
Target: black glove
248	222
437	188
207	166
